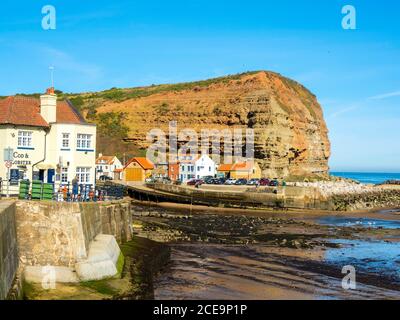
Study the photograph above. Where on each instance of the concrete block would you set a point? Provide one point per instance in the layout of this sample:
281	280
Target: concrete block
102	259
46	274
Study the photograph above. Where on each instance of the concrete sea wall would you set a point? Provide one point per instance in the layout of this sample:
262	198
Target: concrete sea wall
291	197
59	234
284	197
8	248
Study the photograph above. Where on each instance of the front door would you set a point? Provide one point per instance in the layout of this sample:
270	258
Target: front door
50	175
41	175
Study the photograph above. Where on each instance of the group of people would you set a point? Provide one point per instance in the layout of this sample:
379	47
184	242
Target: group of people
79	193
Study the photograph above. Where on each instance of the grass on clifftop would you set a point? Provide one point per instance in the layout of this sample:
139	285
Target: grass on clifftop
118	95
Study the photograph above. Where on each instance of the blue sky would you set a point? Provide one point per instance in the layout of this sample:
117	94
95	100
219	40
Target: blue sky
100	44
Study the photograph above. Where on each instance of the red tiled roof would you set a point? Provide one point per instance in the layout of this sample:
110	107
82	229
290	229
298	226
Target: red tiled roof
66	113
107	159
243	166
19	110
225	167
143	162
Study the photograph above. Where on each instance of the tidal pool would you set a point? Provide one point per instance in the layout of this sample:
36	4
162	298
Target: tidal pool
359	222
380	258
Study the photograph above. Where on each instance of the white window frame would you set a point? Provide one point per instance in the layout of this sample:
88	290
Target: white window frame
65	140
83	174
25	139
64	175
83	141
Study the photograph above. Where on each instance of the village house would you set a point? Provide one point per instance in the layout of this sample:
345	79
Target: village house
48	140
196	167
224	170
241	170
173	171
108	166
137	170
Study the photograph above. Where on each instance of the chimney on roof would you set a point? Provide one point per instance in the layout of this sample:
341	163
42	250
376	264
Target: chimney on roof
48	106
50	90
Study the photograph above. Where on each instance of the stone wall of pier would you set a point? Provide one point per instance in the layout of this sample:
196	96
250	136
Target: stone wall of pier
59	234
8	248
283	197
379	198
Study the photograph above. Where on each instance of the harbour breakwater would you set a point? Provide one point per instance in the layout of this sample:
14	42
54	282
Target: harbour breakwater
331	198
60	235
378	198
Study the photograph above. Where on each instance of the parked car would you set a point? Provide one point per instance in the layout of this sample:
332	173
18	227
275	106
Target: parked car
194	182
241	182
217	181
230	181
264	182
178	182
274	183
253	182
105	178
208	179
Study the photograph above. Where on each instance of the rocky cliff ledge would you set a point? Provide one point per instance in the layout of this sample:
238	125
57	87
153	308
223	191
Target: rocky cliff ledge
291	137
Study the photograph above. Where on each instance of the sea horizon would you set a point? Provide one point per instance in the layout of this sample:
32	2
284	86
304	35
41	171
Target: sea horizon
367	177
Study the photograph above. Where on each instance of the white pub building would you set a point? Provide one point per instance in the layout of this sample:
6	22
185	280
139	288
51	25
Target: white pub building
50	141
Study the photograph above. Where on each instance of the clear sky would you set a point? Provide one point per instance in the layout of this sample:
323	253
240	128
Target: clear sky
101	44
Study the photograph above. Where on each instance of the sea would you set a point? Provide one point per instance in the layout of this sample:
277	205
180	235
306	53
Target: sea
368	177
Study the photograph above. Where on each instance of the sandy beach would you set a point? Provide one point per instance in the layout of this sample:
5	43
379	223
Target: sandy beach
269	255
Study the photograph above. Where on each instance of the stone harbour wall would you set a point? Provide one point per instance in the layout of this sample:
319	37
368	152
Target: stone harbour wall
381	198
285	197
8	248
59	234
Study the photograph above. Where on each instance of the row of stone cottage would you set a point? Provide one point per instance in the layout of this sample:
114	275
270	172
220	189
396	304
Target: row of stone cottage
187	168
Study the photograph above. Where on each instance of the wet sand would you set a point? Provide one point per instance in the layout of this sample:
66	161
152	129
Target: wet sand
251	273
248	254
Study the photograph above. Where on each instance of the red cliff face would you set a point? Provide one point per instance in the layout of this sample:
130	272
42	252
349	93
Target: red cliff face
291	137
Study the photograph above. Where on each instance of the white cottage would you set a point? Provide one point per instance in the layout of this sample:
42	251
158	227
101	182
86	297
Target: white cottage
109	166
49	139
196	167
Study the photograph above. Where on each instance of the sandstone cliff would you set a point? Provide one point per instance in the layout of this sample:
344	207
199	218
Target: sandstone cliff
291	137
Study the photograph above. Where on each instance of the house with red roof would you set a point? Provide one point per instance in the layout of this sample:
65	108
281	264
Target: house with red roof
49	139
137	170
249	169
109	166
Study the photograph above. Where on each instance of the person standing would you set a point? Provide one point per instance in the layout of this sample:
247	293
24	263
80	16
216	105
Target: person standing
75	188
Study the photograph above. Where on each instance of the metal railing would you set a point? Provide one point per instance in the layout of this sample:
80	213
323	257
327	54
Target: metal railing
8	189
66	192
